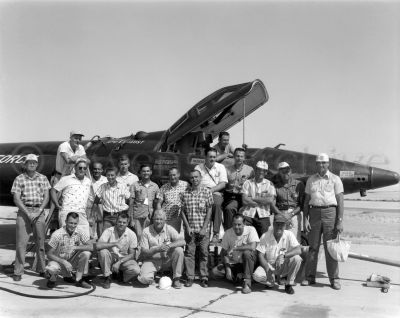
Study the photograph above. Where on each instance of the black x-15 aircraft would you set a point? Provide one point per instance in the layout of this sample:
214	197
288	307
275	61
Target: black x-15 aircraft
183	144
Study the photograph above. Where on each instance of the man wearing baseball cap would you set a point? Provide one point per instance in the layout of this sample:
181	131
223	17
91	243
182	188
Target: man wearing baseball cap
68	153
31	195
289	198
323	215
258	196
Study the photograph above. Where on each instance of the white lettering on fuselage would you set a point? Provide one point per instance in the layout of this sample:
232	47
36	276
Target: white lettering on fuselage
12	158
125	142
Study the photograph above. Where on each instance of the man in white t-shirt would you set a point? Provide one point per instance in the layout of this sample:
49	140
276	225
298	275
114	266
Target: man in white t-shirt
278	254
239	251
124	175
214	177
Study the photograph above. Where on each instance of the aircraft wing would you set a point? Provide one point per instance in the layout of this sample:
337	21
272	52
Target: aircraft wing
219	111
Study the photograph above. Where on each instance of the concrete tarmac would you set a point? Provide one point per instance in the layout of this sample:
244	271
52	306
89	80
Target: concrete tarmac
221	299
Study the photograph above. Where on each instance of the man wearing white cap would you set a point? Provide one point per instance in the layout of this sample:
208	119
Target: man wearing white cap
31	194
68	153
290	198
323	214
258	196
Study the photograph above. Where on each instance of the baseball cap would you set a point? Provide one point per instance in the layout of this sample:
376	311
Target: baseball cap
31	157
279	218
165	283
76	132
322	157
262	165
283	165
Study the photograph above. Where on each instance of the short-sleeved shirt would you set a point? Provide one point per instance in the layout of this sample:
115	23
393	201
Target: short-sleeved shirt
75	193
31	190
195	206
172	198
64	244
95	187
143	195
151	238
258	190
322	190
236	178
128	240
129	179
231	240
114	198
270	248
211	177
290	195
63	167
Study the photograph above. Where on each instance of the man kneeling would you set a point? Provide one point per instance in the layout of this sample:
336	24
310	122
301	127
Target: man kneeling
116	250
161	249
239	251
69	251
278	254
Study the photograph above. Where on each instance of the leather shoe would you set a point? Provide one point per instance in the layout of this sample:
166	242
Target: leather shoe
289	289
177	283
204	283
336	285
16	278
50	284
246	289
189	283
308	282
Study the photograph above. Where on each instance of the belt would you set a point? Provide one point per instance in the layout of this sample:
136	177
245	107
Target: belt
285	207
322	206
58	173
32	205
112	213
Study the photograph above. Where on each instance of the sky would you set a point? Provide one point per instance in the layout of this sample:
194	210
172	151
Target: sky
331	70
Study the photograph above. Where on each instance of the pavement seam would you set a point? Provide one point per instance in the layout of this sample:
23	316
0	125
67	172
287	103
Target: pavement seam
194	310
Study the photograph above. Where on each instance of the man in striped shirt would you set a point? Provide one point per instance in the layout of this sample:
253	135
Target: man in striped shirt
112	198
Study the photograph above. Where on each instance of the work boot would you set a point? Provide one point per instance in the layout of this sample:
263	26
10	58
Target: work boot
204	283
50	284
308	282
107	282
16	278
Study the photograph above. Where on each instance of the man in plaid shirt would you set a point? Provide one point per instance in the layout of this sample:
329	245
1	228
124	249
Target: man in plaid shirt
197	208
31	195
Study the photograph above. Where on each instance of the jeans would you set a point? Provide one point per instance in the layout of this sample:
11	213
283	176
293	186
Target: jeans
130	269
192	243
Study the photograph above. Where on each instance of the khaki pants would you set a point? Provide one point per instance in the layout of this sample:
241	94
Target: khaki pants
130	269
23	230
79	262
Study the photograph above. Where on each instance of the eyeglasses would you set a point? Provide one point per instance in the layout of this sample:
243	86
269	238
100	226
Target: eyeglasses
82	168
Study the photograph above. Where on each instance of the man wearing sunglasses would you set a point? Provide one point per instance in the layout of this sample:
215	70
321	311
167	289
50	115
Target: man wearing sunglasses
75	190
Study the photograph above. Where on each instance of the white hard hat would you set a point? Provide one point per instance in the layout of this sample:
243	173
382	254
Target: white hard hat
31	157
283	164
262	165
165	283
322	157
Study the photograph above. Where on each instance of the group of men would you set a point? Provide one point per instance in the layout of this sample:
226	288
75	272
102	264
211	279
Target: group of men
129	221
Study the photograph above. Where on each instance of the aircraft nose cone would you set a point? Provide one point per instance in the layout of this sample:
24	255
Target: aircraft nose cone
383	178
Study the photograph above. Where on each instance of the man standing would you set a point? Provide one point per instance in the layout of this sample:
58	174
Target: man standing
75	190
112	197
278	254
68	153
124	175
31	194
161	249
197	206
237	175
223	147
323	214
69	251
258	198
117	248
94	215
170	200
239	251
290	198
213	177
143	194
